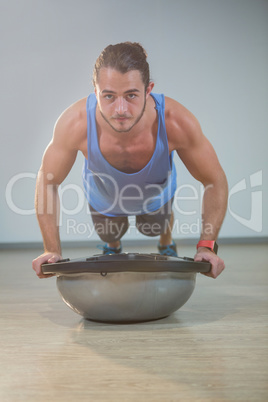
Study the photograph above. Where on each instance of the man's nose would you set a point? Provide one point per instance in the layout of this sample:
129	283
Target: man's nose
121	105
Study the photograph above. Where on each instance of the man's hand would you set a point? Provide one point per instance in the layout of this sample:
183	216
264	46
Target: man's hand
204	254
42	259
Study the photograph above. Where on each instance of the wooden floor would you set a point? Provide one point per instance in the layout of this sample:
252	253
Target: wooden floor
213	349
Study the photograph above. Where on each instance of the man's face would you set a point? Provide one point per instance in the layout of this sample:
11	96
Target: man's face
121	98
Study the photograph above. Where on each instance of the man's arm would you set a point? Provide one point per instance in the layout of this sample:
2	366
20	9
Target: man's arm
203	164
57	161
199	157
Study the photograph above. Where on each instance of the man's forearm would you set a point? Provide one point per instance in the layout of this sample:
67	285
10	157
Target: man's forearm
47	211
213	212
50	233
214	208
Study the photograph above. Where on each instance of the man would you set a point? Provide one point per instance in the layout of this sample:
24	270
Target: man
128	135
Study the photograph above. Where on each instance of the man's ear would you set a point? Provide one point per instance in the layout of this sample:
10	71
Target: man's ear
149	89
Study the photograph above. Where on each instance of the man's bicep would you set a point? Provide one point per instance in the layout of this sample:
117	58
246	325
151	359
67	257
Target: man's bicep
201	160
57	162
193	148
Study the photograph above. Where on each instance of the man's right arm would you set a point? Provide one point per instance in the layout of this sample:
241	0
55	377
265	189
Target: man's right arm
57	161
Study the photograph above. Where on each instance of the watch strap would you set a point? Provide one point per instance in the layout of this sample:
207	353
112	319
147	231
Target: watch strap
211	244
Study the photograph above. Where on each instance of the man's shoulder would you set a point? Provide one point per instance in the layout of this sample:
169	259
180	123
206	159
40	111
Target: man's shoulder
72	123
74	113
180	122
175	110
73	116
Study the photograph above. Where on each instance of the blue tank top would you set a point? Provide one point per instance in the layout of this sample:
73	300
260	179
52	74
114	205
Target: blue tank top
112	192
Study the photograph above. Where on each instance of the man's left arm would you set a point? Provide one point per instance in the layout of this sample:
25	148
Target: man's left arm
213	212
199	157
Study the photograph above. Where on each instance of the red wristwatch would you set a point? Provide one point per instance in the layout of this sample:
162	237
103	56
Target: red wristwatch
211	244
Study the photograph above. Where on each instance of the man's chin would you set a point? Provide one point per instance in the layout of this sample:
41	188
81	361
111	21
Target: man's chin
121	127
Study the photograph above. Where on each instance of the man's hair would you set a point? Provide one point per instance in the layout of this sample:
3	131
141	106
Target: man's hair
123	57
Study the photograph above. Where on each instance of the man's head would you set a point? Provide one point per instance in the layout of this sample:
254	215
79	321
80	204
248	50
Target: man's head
123	57
122	85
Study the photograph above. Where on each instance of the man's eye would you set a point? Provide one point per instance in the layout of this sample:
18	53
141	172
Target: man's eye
108	97
132	96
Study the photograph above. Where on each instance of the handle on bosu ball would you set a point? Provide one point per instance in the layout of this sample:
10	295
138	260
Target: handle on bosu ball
126	262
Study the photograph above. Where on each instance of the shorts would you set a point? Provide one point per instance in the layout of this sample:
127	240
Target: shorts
113	228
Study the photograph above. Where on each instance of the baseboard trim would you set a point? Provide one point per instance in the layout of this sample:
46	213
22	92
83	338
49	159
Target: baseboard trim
136	242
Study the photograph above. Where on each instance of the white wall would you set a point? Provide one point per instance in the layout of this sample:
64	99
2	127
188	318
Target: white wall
210	55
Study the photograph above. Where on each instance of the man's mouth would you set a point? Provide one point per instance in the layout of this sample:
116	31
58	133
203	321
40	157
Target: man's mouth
121	118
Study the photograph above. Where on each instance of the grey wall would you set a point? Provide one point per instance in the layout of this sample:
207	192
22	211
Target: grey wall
210	55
